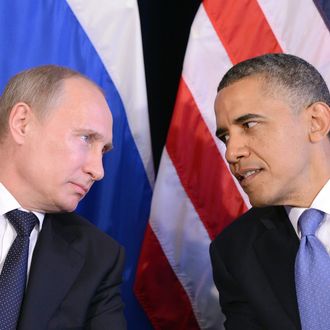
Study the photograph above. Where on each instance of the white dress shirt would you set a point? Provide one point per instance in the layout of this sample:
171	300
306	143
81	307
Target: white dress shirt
7	231
322	203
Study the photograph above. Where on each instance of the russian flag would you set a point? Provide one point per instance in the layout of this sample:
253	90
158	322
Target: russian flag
102	40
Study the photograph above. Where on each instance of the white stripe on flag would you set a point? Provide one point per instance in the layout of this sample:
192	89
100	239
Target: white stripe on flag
185	243
301	31
206	61
111	26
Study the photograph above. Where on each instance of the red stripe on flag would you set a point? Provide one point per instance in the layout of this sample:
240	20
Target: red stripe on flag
200	166
242	28
244	32
159	291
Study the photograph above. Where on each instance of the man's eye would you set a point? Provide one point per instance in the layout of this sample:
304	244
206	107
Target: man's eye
224	138
250	124
86	138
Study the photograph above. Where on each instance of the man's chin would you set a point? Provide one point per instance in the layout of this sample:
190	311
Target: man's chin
70	208
258	201
264	201
67	206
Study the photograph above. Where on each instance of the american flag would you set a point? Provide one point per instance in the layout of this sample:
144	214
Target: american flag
195	196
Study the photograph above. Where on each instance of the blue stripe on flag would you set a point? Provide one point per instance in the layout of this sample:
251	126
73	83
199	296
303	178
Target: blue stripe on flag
41	32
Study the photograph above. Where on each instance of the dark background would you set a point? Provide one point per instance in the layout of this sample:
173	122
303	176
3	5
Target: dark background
165	27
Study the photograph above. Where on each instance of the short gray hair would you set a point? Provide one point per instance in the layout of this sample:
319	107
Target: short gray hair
38	87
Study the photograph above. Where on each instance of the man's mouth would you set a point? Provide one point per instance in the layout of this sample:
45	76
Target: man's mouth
245	176
81	189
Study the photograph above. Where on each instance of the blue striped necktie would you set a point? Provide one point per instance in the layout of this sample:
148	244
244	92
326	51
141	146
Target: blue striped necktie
13	275
312	274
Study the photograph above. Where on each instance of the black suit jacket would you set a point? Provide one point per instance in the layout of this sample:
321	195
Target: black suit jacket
74	278
253	269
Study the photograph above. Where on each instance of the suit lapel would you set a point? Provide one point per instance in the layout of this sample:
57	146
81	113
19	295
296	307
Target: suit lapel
55	266
276	251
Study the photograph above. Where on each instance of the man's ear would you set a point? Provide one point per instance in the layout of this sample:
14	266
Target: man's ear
319	116
19	119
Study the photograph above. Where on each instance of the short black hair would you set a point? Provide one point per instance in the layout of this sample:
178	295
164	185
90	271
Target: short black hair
290	75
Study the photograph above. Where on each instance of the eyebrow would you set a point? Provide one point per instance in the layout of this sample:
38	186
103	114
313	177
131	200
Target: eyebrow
108	147
240	120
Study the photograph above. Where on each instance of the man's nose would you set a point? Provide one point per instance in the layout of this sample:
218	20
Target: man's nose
236	149
94	166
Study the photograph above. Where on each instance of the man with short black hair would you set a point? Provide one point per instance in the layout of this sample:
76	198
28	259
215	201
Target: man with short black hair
273	114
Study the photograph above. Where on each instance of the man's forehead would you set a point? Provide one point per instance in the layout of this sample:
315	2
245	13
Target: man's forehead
80	83
255	82
240	94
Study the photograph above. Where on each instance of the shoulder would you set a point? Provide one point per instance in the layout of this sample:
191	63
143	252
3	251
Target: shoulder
85	235
244	230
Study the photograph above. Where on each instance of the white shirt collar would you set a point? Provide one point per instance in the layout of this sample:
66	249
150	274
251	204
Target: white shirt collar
320	202
9	203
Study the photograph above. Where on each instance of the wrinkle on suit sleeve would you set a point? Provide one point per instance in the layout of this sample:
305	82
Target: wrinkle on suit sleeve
234	305
106	309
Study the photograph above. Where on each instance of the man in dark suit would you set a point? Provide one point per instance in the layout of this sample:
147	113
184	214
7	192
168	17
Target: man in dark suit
55	126
273	114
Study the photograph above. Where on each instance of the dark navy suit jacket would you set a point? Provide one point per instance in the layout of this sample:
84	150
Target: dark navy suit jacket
74	278
253	269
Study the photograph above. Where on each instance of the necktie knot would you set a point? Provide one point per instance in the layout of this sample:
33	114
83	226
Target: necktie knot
309	221
23	222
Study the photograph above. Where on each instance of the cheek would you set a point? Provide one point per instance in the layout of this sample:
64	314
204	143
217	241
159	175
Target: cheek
288	158
275	143
60	160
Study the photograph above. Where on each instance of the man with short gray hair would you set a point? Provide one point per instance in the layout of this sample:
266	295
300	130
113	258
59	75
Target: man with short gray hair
58	271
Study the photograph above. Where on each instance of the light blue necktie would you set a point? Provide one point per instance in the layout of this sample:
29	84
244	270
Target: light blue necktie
312	275
13	275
